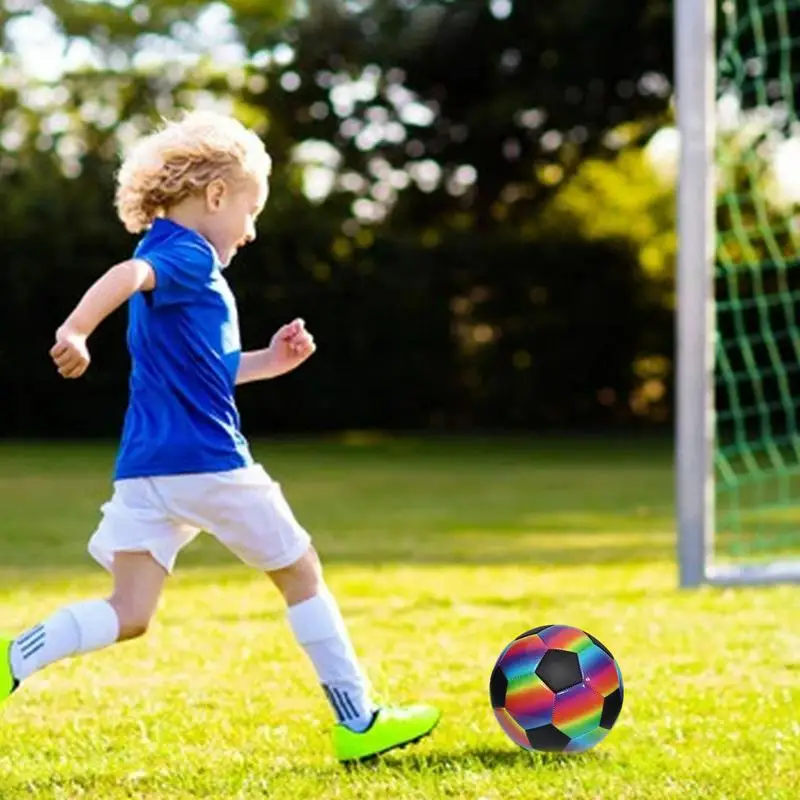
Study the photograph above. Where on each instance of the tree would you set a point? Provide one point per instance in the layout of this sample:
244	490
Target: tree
421	147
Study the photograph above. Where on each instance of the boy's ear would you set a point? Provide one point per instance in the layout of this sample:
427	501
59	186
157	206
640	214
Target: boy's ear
215	191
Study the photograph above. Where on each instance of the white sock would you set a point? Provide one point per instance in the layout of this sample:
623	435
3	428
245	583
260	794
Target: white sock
79	628
318	626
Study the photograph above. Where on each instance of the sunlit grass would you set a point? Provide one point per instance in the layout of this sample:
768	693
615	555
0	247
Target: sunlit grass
439	553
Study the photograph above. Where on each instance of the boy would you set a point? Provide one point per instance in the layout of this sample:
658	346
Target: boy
196	188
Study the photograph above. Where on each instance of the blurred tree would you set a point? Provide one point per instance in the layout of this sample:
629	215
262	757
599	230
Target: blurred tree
447	210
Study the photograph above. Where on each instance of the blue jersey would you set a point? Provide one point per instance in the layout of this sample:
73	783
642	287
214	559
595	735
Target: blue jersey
183	338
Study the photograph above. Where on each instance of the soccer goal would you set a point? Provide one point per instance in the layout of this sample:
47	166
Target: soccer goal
738	274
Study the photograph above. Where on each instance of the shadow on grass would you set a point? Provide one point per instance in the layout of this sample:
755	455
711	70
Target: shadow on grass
488	758
502	549
470	759
489	549
411	501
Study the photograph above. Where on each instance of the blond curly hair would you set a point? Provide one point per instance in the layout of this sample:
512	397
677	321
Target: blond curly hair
181	159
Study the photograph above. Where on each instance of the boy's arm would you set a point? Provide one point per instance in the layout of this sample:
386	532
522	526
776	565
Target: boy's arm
260	365
108	293
104	296
289	348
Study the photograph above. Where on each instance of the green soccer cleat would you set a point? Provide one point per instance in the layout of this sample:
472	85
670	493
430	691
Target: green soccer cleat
391	727
7	680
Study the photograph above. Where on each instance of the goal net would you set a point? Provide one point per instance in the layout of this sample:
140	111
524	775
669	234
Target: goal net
753	526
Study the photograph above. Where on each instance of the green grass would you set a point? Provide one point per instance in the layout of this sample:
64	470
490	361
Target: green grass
439	553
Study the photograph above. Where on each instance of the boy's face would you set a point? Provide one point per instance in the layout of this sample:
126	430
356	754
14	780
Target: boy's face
232	210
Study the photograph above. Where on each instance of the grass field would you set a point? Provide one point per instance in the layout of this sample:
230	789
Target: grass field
439	553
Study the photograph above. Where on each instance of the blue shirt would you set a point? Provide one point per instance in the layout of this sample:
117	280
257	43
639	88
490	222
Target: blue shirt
185	349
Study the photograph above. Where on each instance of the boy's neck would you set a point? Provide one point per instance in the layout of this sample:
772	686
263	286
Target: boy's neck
185	218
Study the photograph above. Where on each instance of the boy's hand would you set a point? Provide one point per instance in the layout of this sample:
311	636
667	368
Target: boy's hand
292	345
70	353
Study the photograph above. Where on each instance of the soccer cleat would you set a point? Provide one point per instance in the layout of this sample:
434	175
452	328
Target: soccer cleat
8	683
391	727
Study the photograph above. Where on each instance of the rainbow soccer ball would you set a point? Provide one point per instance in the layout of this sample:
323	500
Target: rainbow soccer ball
556	689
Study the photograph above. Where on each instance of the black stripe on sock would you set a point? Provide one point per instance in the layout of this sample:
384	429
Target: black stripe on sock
350	703
35	649
335	703
29	633
345	710
32	645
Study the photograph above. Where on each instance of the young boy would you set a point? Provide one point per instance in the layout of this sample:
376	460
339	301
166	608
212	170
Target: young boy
197	187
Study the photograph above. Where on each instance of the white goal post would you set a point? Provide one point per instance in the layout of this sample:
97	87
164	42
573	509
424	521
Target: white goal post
696	79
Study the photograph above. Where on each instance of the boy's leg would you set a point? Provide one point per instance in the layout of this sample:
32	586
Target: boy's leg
88	625
247	512
138	583
320	630
364	730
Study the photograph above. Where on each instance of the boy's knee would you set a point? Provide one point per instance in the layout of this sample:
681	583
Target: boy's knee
133	622
133	629
301	580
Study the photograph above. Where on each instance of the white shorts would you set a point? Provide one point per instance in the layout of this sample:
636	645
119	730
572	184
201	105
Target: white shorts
244	509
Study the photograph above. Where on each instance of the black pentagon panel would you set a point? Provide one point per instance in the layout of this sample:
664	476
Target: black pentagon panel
560	669
548	739
600	645
532	631
498	684
611	708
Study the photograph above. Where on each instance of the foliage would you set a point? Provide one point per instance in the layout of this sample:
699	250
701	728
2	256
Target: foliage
424	217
